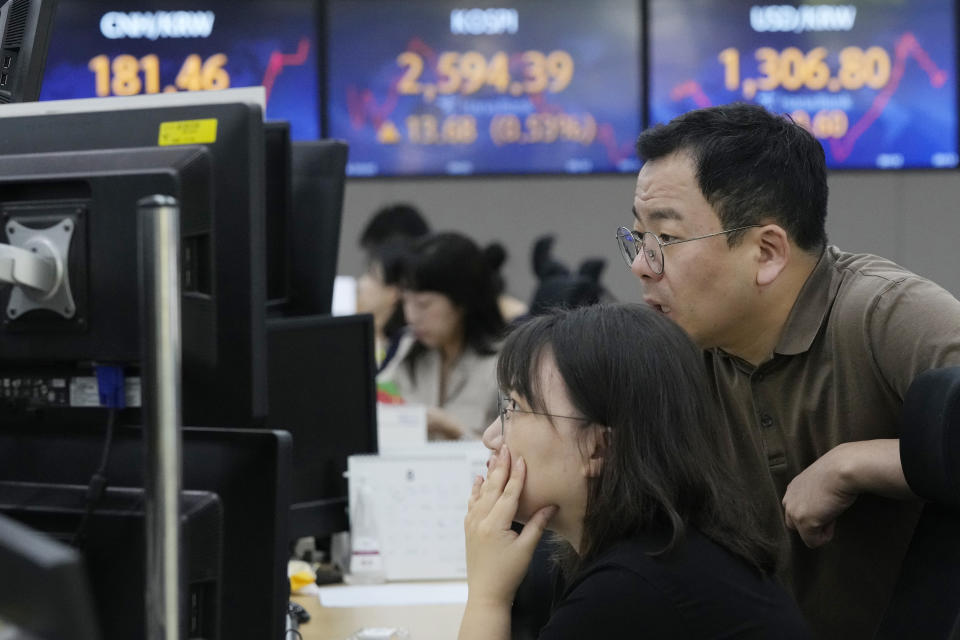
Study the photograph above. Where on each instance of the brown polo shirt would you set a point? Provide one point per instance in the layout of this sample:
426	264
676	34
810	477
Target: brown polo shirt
861	330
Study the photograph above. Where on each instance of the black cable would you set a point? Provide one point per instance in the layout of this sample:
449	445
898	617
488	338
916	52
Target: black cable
98	482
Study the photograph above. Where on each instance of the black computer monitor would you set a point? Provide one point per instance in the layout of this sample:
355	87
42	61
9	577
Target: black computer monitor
322	390
113	546
249	469
44	591
233	390
278	189
25	27
305	185
319	168
95	194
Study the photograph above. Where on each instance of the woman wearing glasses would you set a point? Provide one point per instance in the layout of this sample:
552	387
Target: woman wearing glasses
446	359
607	437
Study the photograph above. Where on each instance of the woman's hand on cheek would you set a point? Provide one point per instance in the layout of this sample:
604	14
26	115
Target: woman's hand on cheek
498	557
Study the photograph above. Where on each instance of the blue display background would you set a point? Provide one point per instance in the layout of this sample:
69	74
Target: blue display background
603	38
247	32
913	118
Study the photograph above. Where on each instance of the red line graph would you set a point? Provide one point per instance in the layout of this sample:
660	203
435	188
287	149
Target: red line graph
841	148
362	107
608	138
690	89
606	135
906	45
279	60
426	51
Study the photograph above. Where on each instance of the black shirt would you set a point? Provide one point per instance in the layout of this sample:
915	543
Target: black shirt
699	590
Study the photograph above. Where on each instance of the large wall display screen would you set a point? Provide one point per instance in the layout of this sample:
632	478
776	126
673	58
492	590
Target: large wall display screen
874	80
437	87
136	46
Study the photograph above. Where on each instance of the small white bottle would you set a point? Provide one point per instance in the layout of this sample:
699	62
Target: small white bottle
366	562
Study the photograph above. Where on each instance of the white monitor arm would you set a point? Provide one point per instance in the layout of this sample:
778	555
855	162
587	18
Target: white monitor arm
35	262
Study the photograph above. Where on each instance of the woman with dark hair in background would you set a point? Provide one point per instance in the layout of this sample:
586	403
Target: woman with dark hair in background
447	358
607	436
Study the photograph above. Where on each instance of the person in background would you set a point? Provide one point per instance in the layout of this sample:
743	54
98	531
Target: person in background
385	240
447	356
391	230
558	286
397	221
378	293
611	441
809	349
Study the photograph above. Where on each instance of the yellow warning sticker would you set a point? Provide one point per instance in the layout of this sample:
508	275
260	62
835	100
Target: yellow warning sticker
188	132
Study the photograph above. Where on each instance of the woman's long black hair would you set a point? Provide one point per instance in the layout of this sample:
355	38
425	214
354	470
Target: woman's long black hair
453	265
666	463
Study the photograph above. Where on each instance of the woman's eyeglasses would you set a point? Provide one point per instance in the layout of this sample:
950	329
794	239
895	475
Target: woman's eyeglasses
505	403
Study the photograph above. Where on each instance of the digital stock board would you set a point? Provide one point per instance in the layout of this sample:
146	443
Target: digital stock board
439	87
430	87
137	46
874	80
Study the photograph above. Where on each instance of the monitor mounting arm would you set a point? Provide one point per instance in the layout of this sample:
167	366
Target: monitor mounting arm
35	262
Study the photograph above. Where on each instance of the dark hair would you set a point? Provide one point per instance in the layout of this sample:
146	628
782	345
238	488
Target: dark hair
560	288
400	220
752	166
391	257
665	465
452	264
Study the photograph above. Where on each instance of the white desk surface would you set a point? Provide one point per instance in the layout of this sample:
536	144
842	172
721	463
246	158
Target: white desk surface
422	622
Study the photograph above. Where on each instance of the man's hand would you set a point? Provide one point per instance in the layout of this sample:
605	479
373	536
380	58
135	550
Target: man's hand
815	499
817	496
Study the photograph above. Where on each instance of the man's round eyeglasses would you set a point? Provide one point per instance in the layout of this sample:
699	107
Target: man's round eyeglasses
632	242
505	403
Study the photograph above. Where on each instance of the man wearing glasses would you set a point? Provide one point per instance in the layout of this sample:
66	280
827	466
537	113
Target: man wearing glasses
810	349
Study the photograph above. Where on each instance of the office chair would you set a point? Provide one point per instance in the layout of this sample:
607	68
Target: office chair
926	598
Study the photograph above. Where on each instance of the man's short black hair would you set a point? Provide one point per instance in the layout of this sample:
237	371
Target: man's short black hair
752	167
395	221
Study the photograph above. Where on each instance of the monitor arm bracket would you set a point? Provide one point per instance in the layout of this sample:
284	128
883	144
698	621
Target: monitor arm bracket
35	262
